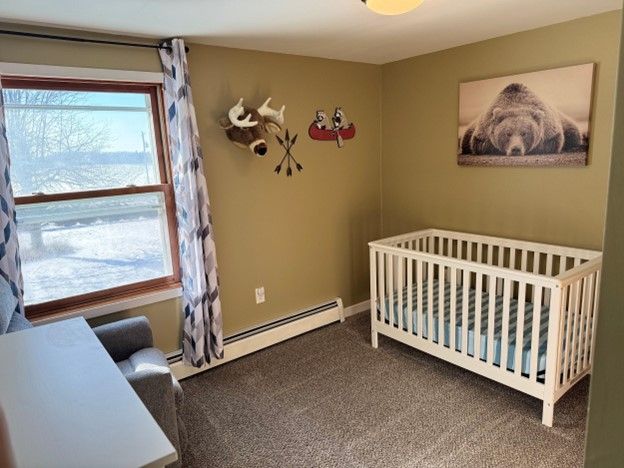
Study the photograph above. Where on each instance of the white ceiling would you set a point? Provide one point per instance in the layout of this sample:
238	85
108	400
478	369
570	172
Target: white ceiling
340	29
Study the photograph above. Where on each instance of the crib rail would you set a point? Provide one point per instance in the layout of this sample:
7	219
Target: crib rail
530	257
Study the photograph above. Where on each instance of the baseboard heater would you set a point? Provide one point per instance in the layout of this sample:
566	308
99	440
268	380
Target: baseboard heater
262	336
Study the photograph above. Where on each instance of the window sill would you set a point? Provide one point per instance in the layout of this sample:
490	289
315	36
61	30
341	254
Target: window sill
110	307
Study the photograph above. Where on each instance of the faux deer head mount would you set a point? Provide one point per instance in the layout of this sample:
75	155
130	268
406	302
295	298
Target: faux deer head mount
251	130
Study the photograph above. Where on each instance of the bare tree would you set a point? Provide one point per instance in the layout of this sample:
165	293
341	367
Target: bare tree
45	128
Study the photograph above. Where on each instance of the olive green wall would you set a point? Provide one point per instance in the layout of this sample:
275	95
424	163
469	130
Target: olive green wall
605	429
422	185
302	238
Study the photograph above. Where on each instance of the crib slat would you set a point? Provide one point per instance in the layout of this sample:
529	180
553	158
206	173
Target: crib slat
500	262
489	261
469	251
479	252
459	257
549	264
581	327
391	295
400	290
578	292
465	303
520	329
594	315
523	260
453	311
478	306
505	324
491	317
575	315
560	380
382	285
430	302
568	338
410	299
512	259
535	331
441	305
590	308
536	262
419	296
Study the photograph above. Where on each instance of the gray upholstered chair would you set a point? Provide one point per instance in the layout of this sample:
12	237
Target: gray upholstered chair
130	344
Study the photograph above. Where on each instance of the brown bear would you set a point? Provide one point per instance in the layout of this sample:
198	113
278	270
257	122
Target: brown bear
519	123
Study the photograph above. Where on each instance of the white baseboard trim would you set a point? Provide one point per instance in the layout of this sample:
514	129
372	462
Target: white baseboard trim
264	339
358	308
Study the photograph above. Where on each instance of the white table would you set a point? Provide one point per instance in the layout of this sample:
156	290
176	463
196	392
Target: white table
68	405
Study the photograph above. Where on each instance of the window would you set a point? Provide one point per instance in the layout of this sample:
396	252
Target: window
93	193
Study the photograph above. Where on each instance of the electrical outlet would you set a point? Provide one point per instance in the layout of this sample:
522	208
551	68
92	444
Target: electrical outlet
260	295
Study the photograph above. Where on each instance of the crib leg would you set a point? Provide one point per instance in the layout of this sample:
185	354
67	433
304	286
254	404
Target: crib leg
548	410
374	339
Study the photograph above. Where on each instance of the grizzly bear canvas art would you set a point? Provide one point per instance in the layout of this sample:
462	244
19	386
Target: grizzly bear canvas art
522	126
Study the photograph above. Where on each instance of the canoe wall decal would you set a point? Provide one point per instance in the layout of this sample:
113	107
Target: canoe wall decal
337	129
323	134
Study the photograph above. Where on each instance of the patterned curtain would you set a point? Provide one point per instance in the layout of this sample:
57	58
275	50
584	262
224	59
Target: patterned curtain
203	335
10	264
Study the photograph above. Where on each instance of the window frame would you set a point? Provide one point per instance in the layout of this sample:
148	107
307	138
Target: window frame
131	290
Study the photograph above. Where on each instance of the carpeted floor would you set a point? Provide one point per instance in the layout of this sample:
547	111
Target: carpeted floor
327	399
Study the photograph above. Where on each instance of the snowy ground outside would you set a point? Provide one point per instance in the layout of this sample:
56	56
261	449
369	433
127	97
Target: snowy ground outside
85	258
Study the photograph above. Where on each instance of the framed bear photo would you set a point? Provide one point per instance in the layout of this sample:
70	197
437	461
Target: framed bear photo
532	119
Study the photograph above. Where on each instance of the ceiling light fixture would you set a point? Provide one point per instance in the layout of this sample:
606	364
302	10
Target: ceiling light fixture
392	7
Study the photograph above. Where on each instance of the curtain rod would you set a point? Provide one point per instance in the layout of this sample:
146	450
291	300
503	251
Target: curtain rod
82	39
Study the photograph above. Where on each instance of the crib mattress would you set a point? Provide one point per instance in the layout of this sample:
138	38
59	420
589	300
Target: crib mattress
421	318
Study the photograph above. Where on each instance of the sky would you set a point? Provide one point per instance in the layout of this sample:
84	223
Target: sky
125	126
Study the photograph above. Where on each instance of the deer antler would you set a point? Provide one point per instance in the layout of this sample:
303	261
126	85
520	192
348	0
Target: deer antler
266	111
238	110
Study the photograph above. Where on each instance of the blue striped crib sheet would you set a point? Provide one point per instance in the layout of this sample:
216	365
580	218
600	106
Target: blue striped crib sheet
422	318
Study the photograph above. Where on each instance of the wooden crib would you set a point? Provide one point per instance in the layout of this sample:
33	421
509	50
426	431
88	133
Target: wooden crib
470	299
